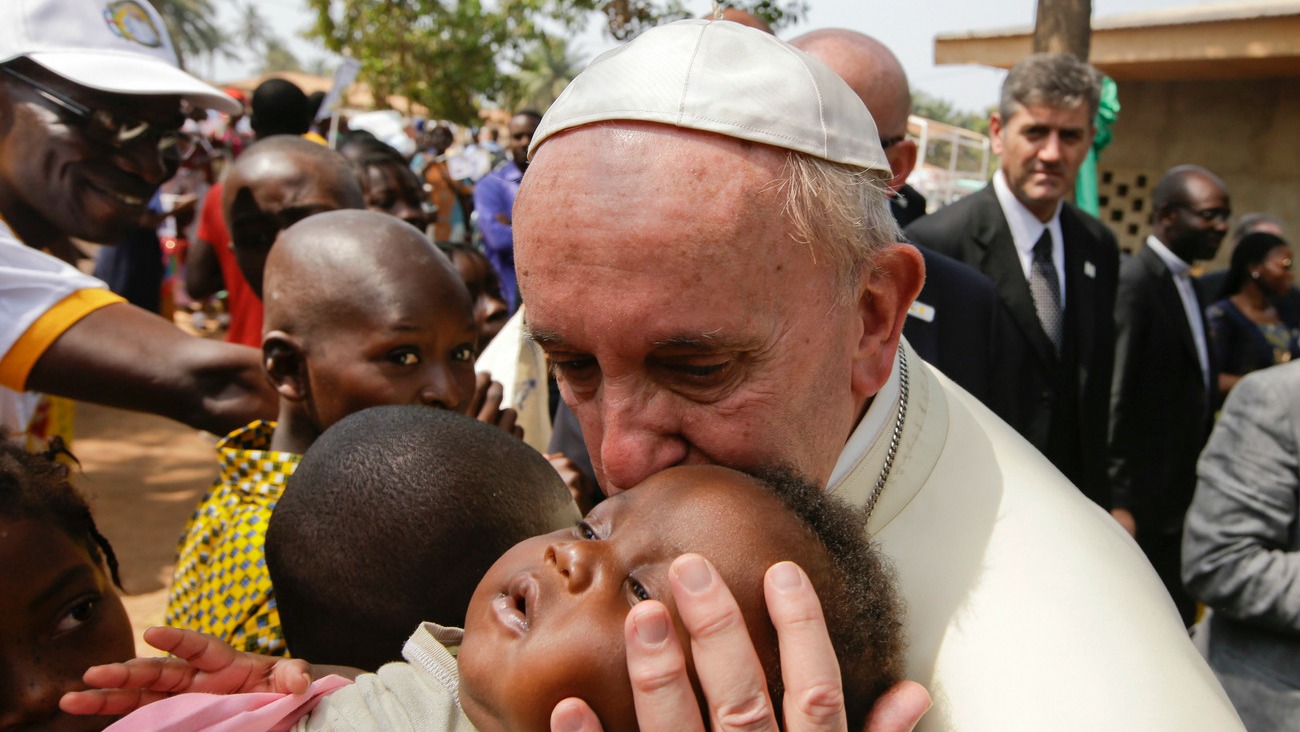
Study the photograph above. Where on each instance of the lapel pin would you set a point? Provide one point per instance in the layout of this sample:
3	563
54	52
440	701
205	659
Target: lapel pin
1090	270
920	310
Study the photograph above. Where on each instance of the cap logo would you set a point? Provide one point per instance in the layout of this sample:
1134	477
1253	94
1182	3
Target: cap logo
128	20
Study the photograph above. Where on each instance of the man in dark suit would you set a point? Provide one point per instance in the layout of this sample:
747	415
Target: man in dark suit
954	321
1161	402
1054	266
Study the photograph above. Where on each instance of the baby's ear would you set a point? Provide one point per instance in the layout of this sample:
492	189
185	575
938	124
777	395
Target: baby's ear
286	365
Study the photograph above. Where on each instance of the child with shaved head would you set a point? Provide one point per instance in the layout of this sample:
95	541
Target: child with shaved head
361	310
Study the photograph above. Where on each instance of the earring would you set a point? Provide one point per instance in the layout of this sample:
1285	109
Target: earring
1254	275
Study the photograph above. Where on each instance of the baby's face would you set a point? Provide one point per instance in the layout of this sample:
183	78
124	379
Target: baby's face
546	623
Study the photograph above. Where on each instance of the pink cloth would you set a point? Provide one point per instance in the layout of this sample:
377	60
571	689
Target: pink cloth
253	712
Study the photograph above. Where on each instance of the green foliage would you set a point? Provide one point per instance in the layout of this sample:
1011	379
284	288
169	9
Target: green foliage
625	19
942	110
443	54
549	65
450	55
939	152
276	57
191	25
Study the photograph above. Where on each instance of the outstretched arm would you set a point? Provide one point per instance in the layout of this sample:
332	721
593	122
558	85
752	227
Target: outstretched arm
728	666
126	357
200	663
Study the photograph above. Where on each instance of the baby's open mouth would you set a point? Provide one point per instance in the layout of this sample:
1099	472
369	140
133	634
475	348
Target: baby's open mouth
513	606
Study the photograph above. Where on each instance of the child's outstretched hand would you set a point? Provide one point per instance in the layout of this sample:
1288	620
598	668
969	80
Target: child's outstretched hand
486	406
199	663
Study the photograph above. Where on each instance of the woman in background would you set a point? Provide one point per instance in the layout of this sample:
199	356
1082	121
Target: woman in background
1247	331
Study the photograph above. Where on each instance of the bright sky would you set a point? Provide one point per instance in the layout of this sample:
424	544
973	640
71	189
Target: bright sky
907	26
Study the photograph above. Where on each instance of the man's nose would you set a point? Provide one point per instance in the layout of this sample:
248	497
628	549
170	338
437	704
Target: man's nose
144	159
574	561
639	436
1051	148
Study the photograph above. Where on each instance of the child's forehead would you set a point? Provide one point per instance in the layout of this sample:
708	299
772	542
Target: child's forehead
702	502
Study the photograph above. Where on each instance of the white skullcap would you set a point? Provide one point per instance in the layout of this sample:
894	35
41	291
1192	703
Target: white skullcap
723	77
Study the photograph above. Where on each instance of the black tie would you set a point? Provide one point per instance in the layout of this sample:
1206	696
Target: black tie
1046	289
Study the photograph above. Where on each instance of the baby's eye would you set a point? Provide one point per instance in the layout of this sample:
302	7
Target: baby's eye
637	591
77	614
404	358
586	532
463	352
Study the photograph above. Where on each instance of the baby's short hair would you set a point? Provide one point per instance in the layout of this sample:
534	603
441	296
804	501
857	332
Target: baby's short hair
392	518
864	614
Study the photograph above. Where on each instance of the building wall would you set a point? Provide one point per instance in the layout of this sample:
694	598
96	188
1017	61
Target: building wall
1246	131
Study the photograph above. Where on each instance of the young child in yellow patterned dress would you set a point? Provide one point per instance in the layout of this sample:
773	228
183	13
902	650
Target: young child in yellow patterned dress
361	310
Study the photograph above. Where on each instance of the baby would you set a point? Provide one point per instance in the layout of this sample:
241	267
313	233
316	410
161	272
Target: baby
547	621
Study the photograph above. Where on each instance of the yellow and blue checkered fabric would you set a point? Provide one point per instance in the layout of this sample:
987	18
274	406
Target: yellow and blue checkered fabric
220	585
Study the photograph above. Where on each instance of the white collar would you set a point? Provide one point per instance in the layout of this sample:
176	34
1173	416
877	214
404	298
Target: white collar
879	413
1177	267
1025	226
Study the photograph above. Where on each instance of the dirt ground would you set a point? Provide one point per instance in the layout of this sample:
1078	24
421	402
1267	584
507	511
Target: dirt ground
143	476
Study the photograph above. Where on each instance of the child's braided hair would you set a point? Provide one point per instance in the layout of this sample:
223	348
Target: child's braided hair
36	487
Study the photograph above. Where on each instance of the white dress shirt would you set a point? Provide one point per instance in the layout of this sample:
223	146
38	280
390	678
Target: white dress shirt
1026	229
1191	306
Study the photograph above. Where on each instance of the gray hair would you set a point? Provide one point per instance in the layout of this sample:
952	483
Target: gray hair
1252	222
1054	79
840	212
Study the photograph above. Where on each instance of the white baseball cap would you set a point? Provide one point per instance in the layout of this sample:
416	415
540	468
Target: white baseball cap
118	46
723	77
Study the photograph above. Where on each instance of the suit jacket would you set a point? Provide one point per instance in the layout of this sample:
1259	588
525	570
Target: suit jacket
954	322
1160	403
1061	406
1241	550
907	205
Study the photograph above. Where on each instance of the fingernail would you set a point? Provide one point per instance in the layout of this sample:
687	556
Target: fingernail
786	577
694	573
651	628
566	718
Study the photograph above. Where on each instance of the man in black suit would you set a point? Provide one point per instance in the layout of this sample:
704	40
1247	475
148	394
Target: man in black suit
1161	402
1054	266
954	321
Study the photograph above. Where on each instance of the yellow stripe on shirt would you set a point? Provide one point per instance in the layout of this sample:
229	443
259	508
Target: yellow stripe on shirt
17	364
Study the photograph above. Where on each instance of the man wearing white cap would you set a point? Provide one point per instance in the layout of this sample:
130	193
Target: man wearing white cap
708	257
90	113
746	311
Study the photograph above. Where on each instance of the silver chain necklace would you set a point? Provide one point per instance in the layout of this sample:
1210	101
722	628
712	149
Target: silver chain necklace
894	438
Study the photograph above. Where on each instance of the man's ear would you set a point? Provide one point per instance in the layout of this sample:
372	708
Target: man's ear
995	133
906	163
285	364
885	292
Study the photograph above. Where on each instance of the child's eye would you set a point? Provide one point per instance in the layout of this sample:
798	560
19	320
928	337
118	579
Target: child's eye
586	532
463	352
637	591
404	358
77	614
